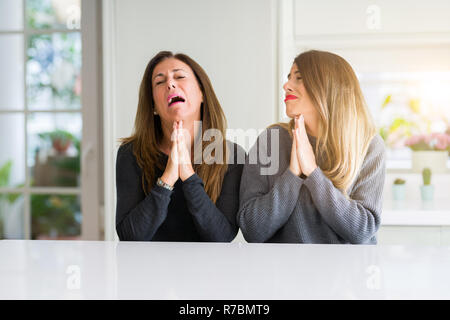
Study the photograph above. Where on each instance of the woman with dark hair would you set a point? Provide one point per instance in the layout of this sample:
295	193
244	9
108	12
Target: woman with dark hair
163	193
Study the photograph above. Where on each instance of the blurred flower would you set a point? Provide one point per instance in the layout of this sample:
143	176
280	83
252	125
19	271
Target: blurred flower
425	142
396	139
77	87
414	105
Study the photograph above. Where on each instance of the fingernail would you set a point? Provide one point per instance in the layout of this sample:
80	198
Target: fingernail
302	118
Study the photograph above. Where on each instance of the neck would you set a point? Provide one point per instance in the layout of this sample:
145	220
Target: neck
312	131
312	127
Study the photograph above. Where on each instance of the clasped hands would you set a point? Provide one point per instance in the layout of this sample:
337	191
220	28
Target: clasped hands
179	164
302	153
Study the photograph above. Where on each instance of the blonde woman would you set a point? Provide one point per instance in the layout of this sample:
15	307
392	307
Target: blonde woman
331	170
163	194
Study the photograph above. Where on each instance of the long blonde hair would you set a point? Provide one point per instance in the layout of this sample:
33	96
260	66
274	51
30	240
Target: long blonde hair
345	126
148	133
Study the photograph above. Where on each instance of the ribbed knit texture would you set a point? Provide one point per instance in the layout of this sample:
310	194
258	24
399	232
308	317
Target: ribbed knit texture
285	208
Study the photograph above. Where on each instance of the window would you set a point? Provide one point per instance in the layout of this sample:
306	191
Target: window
46	95
402	65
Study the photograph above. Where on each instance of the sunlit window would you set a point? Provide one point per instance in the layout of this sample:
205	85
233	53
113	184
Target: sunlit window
412	111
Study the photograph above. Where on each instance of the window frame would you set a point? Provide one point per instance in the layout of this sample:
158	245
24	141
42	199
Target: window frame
91	175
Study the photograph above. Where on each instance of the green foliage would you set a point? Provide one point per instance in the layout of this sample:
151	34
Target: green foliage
384	133
57	135
386	101
34	8
397	124
400	123
5	176
55	212
63	137
60	213
426	175
399	181
5	172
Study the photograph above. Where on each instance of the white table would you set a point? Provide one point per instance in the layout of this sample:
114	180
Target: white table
31	269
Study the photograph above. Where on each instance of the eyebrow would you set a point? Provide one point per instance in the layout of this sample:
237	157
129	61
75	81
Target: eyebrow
162	75
289	75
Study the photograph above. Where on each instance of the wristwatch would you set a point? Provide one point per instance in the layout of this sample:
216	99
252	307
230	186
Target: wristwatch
161	183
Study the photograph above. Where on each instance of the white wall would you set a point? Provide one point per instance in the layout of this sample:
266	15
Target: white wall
235	41
232	40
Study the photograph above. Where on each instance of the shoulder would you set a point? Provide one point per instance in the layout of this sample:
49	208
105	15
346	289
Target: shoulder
274	136
376	148
375	159
125	149
282	129
125	154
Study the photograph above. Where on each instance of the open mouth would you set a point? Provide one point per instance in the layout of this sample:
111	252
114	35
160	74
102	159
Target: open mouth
175	99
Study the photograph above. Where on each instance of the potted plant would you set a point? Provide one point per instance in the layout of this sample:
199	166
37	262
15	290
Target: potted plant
427	190
429	150
399	189
60	140
59	168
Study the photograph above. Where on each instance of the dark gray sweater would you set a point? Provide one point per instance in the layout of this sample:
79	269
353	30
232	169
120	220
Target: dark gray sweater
286	208
184	214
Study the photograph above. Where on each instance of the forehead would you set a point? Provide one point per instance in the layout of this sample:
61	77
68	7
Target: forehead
294	67
170	64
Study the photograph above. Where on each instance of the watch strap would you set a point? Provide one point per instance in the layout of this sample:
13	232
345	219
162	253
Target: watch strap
161	183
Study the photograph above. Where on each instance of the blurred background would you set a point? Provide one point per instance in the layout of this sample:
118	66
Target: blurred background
70	72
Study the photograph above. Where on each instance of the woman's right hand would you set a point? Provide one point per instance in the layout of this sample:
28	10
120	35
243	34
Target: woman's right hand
170	175
294	165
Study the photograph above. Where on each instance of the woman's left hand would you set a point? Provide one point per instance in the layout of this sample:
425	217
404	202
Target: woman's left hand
184	155
305	152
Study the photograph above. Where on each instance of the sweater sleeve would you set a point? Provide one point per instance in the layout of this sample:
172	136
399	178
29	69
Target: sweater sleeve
214	222
357	218
265	208
138	217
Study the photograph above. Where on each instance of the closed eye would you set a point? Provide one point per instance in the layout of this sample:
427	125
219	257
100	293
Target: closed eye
162	81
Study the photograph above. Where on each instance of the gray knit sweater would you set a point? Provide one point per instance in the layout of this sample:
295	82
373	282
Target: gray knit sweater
283	207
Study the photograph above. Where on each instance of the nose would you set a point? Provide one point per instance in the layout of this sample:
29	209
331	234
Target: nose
171	83
286	87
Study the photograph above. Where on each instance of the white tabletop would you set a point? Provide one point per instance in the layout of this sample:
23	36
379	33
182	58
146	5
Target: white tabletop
31	269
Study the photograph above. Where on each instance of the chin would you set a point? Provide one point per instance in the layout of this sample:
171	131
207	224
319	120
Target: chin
181	114
291	114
